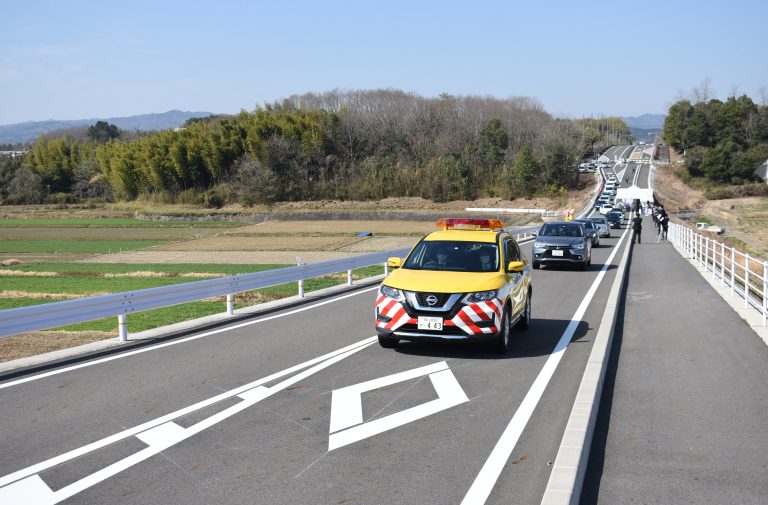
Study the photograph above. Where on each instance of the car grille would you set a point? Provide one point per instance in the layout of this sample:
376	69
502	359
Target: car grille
566	252
441	299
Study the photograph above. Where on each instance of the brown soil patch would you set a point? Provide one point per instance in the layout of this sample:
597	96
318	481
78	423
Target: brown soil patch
268	243
336	227
32	344
107	233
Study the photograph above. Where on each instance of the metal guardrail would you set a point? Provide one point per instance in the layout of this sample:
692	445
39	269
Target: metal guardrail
746	276
52	315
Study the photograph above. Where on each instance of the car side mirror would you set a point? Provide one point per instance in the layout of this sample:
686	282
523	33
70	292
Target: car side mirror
535	233
394	262
515	266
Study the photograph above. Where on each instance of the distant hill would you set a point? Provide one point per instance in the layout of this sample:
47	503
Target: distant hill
30	130
646	127
646	121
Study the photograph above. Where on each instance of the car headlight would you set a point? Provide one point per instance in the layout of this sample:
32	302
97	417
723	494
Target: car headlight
481	296
577	245
539	245
393	293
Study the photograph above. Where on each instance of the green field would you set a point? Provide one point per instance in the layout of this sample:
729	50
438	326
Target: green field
74	246
122	268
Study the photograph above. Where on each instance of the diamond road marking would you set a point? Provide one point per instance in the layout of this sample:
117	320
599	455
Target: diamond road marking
347	424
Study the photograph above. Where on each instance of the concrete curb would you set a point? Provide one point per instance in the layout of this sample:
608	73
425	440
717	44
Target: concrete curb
192	324
567	477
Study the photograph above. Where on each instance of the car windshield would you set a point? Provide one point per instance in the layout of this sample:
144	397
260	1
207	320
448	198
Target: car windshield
561	230
599	220
587	223
454	256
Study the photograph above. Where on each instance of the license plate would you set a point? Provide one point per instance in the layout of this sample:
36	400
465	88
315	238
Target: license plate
557	253
430	323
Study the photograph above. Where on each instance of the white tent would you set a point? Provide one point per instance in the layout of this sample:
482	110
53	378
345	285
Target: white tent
762	171
633	192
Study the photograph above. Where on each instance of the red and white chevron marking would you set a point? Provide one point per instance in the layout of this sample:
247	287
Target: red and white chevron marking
476	312
393	309
465	319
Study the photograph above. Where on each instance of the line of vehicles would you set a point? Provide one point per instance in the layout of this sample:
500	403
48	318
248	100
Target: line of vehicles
470	281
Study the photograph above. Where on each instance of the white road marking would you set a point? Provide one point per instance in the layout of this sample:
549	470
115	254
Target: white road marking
160	433
179	341
347	426
483	484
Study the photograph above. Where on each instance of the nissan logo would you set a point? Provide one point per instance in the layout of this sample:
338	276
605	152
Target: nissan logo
431	300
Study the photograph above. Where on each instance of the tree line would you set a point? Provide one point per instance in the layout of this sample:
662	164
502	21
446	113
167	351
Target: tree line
351	145
724	142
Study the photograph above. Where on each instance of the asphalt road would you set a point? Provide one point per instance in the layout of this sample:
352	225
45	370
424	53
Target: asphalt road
268	419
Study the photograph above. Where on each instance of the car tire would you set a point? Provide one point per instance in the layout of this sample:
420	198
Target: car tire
388	343
536	265
525	320
502	340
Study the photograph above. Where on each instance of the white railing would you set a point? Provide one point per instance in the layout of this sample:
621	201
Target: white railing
53	315
745	276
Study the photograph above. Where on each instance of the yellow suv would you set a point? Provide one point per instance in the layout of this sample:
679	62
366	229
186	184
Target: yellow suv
468	281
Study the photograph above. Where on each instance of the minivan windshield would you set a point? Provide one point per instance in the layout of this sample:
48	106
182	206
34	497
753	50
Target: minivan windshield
455	256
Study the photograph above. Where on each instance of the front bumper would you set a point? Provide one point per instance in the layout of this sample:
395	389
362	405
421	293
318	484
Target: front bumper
570	255
472	322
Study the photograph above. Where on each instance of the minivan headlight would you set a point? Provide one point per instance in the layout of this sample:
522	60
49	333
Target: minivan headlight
577	245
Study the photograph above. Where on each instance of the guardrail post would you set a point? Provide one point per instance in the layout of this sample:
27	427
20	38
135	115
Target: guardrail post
765	293
349	277
301	281
386	268
706	253
746	282
122	328
733	269
230	304
722	264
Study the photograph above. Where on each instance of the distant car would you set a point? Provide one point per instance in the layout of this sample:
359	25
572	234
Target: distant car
600	202
614	219
562	242
606	208
592	231
603	228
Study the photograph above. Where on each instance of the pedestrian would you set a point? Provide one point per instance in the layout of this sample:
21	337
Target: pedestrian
663	226
637	228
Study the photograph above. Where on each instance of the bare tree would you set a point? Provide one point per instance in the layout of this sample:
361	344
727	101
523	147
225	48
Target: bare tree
703	92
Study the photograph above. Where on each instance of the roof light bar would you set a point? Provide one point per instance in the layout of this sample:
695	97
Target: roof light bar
469	224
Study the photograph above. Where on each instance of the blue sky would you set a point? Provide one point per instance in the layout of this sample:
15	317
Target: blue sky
85	59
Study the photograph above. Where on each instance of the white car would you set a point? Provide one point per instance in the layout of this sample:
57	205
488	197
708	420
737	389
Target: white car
606	208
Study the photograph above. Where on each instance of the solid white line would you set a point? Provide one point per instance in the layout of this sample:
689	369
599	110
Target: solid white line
57	460
179	341
483	485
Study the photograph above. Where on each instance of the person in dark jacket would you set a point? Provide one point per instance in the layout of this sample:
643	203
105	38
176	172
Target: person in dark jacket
637	228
